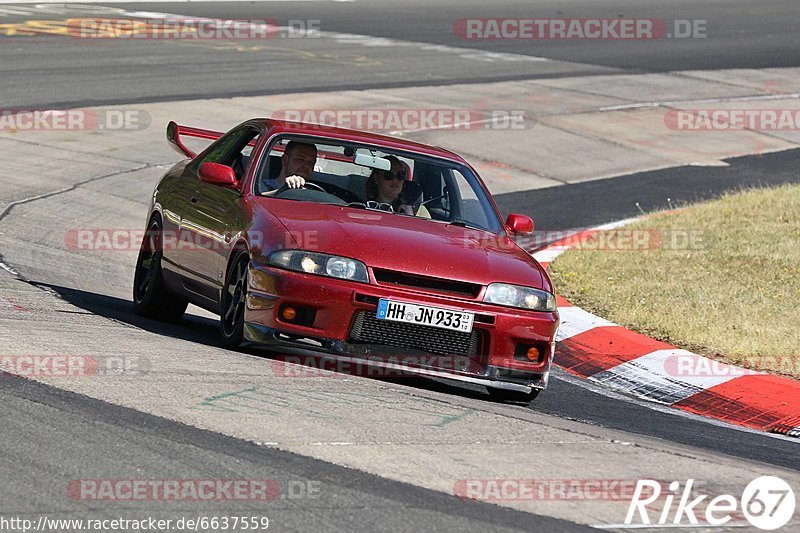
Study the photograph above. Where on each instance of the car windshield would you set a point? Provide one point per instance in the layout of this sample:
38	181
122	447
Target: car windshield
370	177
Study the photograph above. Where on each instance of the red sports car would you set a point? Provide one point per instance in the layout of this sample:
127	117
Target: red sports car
351	247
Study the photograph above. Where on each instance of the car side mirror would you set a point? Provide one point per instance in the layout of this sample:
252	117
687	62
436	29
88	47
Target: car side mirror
519	224
217	174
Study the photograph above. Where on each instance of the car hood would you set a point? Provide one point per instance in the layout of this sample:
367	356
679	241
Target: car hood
408	244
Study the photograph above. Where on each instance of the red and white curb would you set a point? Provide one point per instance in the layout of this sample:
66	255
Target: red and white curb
595	348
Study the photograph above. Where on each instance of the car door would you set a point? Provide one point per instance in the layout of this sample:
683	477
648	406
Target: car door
210	210
174	195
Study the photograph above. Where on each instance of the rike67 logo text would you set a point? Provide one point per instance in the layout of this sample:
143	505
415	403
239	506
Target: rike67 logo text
767	503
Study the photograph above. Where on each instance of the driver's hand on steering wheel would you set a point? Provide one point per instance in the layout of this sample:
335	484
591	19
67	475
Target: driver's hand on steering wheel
295	182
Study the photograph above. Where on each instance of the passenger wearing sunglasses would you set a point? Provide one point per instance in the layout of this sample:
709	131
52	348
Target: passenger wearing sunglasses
386	186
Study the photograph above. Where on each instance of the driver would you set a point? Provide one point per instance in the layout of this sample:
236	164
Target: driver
297	164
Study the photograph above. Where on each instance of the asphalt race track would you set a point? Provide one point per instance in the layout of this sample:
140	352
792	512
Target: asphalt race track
158	446
42	71
362	454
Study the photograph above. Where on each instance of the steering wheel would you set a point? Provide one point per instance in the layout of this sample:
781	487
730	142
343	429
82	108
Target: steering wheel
314	186
285	187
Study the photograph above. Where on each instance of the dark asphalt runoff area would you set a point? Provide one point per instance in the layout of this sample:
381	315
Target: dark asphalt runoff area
591	203
55	69
53	438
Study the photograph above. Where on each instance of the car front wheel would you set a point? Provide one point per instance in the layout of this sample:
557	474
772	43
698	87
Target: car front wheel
233	301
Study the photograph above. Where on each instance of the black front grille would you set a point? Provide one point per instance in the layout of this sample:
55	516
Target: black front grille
445	286
367	328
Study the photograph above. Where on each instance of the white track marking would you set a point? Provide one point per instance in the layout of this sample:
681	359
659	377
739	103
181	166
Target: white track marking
617	224
667	526
658	362
548	255
600	390
575	321
9	269
647	377
730	99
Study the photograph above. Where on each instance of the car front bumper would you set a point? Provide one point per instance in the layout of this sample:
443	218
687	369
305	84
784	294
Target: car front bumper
336	304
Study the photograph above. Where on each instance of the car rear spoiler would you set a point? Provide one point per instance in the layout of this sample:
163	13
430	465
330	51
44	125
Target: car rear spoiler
176	131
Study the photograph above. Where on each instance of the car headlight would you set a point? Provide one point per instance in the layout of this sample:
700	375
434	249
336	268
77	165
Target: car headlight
518	296
320	264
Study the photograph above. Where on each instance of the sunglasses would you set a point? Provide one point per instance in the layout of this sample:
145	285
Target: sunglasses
399	175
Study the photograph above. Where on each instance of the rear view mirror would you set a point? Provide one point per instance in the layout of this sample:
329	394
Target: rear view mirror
519	224
371	161
217	174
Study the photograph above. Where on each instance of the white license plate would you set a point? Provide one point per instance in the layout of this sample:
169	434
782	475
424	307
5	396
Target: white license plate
425	315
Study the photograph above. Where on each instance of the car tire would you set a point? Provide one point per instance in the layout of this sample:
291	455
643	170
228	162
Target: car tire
233	301
150	298
505	395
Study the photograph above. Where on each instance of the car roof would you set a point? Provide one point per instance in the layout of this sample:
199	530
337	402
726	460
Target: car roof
345	134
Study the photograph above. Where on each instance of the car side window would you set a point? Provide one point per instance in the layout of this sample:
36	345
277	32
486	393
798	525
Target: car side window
434	190
231	149
472	208
242	156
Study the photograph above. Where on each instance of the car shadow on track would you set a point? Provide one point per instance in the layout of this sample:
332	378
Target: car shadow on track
206	331
190	327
